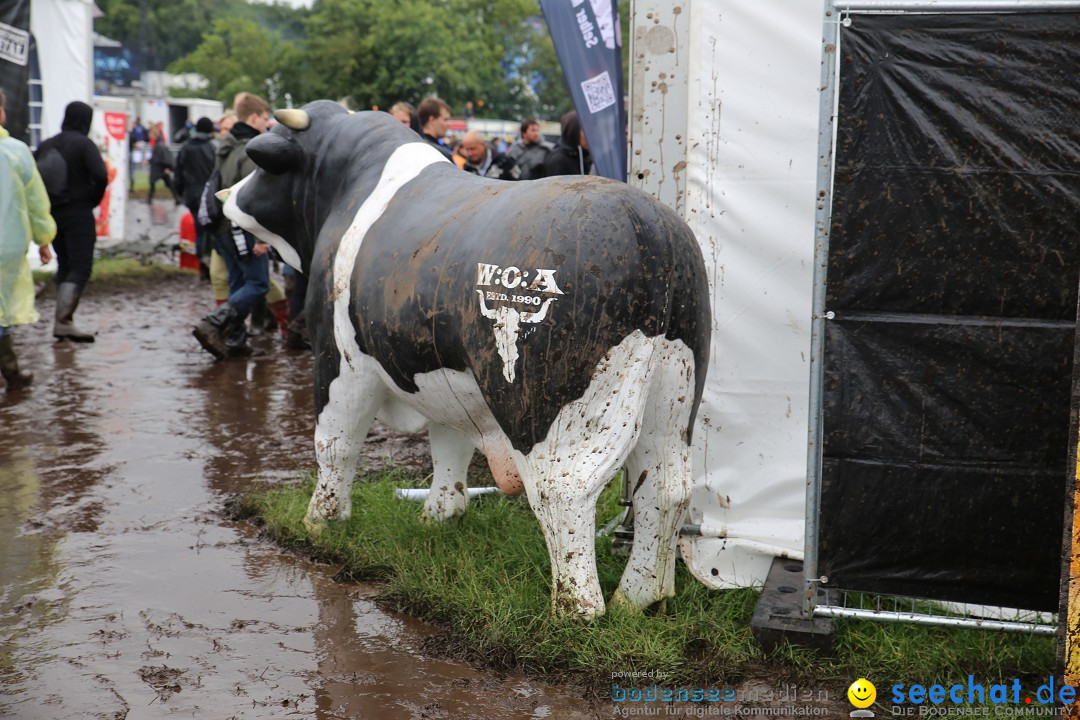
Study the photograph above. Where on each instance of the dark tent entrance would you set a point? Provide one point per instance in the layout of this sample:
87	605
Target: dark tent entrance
946	302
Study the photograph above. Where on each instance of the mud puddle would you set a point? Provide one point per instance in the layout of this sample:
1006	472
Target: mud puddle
123	592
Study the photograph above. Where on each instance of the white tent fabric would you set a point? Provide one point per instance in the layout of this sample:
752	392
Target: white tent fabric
750	126
63	30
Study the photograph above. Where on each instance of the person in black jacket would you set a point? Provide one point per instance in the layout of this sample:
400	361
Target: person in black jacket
161	163
529	152
571	155
223	332
481	160
194	164
74	215
434	116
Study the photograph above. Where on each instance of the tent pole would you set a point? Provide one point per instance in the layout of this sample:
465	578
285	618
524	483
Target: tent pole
823	213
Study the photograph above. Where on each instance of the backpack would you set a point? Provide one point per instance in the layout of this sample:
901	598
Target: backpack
210	212
54	173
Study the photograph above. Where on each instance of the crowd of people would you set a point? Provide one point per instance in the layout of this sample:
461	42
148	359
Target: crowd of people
57	214
530	158
224	331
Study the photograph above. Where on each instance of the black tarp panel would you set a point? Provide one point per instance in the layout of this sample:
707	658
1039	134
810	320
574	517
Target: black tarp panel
15	64
952	273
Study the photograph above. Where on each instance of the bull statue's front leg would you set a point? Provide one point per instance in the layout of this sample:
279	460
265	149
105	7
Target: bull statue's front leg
451	453
354	397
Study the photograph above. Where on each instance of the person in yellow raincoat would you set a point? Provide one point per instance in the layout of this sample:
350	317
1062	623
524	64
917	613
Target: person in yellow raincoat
24	216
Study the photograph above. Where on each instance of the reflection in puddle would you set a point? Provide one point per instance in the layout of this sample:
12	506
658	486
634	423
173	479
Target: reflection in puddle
124	595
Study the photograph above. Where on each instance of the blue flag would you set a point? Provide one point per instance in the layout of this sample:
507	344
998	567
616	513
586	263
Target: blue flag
588	42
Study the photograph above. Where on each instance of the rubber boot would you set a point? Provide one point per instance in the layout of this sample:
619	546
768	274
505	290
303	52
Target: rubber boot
297	336
211	330
281	315
261	319
9	366
67	300
236	338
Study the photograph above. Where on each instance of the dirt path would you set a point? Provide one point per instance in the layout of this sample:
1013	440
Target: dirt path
125	595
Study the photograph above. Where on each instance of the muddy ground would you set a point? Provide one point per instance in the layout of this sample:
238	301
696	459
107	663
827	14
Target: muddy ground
125	592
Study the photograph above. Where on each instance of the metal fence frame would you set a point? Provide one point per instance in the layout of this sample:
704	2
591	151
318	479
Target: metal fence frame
835	14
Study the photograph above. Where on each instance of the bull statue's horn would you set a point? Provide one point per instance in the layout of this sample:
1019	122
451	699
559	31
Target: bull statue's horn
293	118
223	195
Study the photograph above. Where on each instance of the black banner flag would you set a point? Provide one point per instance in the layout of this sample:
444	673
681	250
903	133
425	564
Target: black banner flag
15	63
588	42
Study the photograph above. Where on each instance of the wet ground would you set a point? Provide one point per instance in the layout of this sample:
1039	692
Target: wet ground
124	593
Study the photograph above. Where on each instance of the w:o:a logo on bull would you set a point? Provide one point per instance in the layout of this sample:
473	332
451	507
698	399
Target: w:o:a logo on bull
511	277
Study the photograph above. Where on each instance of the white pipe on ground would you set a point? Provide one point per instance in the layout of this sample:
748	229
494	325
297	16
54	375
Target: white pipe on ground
420	494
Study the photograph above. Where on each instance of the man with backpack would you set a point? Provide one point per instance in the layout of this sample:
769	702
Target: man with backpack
223	332
73	204
194	163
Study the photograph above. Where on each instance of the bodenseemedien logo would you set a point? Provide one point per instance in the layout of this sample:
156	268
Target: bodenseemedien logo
862	694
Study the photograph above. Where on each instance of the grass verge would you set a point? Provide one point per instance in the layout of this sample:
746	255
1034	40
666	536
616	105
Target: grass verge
485	577
121	271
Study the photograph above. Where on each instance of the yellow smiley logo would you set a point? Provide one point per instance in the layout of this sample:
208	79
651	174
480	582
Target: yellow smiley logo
862	693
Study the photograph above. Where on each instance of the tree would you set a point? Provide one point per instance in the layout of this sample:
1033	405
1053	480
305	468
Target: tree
496	53
546	74
163	31
242	56
380	52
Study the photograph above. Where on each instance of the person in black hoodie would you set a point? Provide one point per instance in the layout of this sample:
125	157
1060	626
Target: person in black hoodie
73	211
570	155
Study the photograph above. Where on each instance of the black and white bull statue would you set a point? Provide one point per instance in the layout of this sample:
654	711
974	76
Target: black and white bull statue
559	326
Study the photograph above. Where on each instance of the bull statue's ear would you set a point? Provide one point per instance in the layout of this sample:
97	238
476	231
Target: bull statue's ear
275	154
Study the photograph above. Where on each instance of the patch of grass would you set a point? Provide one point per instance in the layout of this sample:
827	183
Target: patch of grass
121	271
486	578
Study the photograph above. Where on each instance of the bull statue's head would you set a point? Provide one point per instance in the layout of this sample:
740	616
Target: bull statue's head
317	159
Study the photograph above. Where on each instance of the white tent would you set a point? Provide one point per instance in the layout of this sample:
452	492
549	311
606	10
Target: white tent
64	33
724	128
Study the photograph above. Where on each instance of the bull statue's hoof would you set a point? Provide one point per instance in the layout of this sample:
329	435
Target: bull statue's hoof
314	526
620	600
430	518
445	503
569	606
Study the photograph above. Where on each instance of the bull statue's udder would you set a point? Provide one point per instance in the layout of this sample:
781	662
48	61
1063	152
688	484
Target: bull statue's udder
505	472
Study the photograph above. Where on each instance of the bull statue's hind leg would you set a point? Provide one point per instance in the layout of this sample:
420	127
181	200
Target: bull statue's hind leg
353	399
659	470
451	453
566	472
